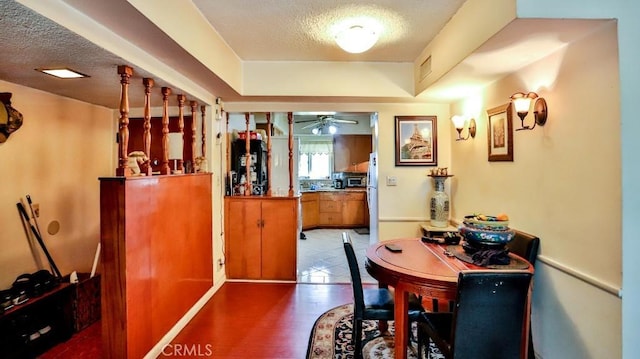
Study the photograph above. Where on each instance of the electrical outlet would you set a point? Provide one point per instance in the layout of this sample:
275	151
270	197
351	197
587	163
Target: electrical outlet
392	181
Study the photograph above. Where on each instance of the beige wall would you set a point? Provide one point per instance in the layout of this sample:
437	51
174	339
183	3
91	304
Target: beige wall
56	157
564	186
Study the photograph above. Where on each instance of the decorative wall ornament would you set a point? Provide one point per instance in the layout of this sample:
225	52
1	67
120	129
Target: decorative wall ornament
10	118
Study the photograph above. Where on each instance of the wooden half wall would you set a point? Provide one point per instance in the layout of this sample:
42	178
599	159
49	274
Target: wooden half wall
156	239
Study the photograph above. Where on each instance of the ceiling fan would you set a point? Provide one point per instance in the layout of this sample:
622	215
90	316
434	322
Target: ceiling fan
324	121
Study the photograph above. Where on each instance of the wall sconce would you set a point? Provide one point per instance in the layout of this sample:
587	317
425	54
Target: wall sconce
522	102
459	122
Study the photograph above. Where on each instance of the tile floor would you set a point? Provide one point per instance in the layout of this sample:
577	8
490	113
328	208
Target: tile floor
321	257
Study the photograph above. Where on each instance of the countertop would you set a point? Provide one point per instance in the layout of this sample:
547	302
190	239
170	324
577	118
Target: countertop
352	189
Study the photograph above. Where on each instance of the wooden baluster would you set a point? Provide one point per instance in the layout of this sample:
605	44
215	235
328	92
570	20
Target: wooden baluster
290	118
269	153
194	108
228	139
165	170
248	186
181	100
148	84
203	110
123	169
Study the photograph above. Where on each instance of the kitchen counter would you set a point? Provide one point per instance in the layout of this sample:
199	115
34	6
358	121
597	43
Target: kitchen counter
352	189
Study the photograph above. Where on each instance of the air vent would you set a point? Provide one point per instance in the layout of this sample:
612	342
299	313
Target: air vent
425	68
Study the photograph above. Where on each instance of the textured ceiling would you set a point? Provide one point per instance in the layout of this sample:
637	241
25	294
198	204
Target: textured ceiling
256	30
37	42
303	30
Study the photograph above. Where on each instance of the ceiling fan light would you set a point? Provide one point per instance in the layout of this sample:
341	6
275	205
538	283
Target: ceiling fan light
356	39
315	131
333	129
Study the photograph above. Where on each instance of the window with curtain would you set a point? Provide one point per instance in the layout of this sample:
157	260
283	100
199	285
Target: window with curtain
315	159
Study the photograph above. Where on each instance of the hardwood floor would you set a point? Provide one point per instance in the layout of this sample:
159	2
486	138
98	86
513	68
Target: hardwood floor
242	320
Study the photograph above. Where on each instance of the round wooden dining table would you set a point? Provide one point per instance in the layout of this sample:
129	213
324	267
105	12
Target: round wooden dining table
427	269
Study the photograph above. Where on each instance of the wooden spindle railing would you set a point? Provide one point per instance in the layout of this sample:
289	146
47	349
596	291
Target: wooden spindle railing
181	100
290	118
228	151
268	114
164	169
148	84
247	157
203	110
123	169
194	108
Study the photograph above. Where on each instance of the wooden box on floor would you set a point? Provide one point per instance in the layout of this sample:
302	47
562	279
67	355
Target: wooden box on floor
86	301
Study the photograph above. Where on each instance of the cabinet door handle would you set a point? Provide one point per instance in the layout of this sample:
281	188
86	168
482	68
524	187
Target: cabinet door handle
262	223
259	223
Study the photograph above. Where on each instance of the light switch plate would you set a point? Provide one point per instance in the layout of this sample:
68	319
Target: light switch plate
392	181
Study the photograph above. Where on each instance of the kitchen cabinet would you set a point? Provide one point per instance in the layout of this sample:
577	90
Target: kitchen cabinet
354	211
351	153
261	237
310	203
343	209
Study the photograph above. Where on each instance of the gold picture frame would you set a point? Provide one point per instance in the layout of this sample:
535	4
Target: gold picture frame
500	133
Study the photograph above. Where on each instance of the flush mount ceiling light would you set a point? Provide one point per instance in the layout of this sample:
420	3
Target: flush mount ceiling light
356	39
63	73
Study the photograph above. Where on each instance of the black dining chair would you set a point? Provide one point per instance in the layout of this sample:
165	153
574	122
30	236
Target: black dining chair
371	303
526	246
487	321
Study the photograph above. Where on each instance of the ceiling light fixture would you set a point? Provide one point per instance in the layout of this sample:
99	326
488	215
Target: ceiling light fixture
63	73
356	39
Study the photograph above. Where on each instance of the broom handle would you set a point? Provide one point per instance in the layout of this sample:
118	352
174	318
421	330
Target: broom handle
33	213
23	212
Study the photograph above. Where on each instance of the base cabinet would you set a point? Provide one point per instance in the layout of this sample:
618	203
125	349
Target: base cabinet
310	203
343	209
261	237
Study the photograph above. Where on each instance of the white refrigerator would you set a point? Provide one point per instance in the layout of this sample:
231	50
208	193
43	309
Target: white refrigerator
372	197
280	166
280	170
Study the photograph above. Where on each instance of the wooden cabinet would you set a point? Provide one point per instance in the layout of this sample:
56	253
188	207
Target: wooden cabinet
343	209
354	211
156	256
351	152
310	203
261	237
30	329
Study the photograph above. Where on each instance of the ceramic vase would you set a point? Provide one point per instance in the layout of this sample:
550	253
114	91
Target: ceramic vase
439	204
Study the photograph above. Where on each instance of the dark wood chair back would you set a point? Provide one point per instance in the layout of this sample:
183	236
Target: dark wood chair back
525	245
489	316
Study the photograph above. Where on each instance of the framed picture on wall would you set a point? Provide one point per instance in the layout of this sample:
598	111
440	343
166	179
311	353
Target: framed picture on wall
500	133
416	141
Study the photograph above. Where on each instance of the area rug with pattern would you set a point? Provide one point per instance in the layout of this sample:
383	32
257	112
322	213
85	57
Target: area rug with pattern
331	338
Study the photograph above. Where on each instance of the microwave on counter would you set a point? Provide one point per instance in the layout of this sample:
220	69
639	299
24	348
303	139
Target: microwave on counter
349	179
357	181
